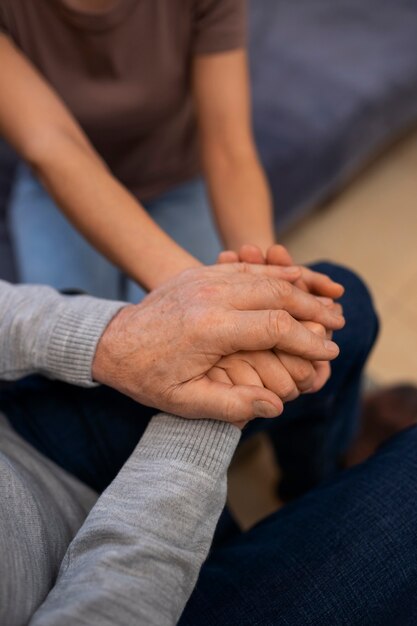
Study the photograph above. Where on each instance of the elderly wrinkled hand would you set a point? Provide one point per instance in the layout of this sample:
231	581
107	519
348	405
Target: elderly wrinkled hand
160	352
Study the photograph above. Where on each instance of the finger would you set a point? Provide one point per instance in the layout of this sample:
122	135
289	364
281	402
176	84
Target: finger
321	368
306	307
302	285
301	371
280	294
264	330
272	289
278	255
228	256
273	373
323	373
250	253
336	307
266	286
219	375
207	399
254	270
246	292
321	284
240	371
317	329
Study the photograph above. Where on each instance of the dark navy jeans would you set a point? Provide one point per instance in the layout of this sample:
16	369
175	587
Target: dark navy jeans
314	431
345	554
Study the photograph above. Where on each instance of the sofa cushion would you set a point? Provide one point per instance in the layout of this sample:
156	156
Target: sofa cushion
333	81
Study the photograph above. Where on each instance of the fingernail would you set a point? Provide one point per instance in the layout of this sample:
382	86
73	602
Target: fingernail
264	409
331	346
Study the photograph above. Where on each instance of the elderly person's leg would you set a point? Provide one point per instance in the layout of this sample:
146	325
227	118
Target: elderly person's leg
41	509
316	429
90	433
346	553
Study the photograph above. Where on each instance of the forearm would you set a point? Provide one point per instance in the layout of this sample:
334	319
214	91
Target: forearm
44	332
47	136
137	557
108	215
241	201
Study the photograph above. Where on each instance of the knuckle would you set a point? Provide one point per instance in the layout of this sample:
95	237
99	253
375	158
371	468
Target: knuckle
318	329
318	309
244	267
231	412
205	326
283	322
303	372
208	291
287	388
284	289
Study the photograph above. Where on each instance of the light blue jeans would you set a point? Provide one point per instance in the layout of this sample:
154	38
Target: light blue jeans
50	251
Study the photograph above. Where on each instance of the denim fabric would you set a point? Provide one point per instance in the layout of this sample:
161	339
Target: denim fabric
50	251
315	430
345	554
88	432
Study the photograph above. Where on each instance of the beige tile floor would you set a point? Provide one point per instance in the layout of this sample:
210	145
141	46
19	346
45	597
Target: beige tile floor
370	226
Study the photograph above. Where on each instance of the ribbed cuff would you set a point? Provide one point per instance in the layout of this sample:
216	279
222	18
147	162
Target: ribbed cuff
74	338
206	444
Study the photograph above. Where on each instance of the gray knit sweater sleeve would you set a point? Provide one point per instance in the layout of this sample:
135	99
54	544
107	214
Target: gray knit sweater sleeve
136	559
44	332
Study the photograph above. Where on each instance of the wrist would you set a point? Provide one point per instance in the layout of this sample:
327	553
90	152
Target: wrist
263	242
72	340
169	269
106	359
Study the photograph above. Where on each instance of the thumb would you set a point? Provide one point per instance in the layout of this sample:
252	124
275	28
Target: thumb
278	255
207	399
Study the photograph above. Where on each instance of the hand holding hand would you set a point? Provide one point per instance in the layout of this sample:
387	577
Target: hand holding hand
293	375
160	351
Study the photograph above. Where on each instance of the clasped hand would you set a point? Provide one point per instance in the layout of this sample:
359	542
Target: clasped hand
286	374
174	350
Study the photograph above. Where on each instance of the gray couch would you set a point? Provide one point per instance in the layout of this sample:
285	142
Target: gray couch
333	81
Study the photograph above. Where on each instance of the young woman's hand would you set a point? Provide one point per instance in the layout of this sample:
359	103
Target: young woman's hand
315	283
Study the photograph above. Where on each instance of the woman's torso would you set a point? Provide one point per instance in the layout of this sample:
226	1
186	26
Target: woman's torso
124	75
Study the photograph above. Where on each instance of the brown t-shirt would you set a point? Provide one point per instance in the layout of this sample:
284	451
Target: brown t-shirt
125	75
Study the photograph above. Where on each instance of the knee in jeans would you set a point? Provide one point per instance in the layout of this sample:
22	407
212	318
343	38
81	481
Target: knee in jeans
405	442
362	321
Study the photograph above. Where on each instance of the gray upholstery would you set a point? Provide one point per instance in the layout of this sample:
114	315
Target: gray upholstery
333	82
